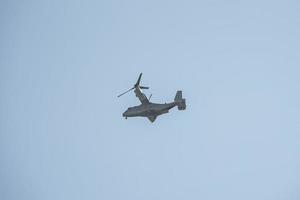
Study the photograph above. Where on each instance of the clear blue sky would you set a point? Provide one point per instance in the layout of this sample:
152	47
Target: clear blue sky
62	64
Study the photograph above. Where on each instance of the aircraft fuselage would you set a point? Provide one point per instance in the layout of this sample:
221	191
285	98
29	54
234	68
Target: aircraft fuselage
149	109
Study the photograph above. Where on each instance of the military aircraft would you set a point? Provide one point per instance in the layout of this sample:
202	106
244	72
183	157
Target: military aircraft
149	109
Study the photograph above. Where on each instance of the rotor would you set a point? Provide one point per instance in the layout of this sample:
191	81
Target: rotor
135	86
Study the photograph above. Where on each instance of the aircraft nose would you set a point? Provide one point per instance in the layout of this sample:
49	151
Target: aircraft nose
125	113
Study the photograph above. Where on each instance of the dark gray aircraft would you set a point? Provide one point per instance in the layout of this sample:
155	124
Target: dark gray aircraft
148	109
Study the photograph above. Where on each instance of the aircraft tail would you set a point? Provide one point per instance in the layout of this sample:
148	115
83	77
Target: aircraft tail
180	101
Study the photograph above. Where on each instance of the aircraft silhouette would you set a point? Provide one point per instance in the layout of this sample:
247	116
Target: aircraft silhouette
149	109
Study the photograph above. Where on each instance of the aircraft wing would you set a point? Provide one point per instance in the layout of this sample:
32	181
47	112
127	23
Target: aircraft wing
152	118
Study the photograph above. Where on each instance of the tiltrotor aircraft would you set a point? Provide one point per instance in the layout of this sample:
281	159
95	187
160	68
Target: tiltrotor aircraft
149	109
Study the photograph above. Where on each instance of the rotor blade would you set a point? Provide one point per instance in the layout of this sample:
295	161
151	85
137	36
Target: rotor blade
143	87
126	92
139	80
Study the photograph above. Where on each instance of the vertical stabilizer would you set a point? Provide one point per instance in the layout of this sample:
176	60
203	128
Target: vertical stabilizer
180	101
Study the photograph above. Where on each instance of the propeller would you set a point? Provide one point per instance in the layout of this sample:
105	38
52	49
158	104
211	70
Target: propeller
139	80
135	86
126	92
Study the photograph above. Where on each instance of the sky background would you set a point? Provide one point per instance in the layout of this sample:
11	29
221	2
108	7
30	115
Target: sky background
62	135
